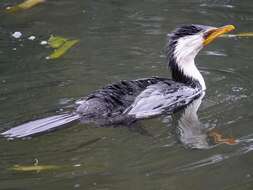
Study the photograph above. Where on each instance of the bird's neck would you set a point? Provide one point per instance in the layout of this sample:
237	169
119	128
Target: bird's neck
184	70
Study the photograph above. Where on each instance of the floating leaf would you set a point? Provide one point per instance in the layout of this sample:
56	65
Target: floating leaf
245	34
56	41
63	49
61	46
23	6
37	168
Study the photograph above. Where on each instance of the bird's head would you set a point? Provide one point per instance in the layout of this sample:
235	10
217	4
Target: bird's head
185	43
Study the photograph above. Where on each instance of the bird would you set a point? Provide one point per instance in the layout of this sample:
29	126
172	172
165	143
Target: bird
141	98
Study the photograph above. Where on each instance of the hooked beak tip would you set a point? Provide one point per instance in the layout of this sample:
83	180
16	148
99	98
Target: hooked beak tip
215	33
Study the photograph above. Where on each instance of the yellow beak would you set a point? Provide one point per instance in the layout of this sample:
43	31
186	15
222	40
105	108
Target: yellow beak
215	33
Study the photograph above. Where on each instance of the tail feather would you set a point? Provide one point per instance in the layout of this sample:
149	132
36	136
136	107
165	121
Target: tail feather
40	125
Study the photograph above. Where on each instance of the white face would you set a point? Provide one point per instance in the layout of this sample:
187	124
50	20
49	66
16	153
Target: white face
185	51
186	42
188	47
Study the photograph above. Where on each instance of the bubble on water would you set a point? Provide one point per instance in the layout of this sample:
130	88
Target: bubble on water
17	35
32	38
237	89
43	42
77	185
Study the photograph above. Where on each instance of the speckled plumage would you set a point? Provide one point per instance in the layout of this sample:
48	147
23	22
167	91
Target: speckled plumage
125	96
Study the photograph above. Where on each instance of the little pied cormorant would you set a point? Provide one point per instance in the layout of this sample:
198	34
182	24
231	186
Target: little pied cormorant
141	98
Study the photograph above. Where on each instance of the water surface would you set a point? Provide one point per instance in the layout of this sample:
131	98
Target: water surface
124	40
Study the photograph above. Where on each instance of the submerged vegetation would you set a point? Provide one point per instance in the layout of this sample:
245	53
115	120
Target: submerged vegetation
27	4
31	168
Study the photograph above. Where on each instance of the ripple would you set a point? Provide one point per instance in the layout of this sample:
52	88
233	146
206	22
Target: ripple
214	159
215	53
217	5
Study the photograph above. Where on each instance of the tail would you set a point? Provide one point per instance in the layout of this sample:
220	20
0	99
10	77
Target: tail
40	125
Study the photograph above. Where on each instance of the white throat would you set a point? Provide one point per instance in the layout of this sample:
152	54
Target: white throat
185	52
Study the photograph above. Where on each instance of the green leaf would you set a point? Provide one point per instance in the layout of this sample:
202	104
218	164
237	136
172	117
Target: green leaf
56	41
62	49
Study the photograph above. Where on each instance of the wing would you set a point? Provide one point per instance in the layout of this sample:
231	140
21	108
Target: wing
113	99
160	97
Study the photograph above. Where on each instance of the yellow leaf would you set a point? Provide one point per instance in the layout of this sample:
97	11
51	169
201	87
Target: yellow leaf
27	168
63	49
23	6
56	41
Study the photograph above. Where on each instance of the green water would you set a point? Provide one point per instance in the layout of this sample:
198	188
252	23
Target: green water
123	40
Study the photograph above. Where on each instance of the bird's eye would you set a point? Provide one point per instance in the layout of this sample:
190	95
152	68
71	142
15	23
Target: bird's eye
206	34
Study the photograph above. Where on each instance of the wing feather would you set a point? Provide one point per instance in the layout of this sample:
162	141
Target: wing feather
160	97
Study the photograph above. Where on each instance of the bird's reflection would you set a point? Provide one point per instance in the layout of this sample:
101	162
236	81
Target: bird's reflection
186	126
194	134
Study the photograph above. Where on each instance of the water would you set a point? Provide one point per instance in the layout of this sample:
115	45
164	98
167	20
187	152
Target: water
124	40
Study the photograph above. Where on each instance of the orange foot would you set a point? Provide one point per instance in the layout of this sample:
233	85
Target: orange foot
220	139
